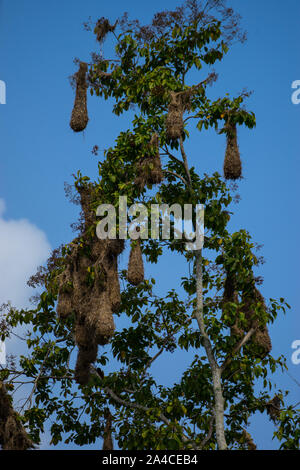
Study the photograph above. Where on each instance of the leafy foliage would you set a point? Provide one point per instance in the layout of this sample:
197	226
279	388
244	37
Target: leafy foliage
150	62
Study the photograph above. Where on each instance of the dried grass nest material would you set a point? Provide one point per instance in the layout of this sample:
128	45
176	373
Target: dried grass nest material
179	102
86	199
107	441
231	295
86	356
149	169
232	162
89	289
93	297
102	28
12	434
273	408
248	440
65	304
174	121
260	339
135	272
90	286
79	116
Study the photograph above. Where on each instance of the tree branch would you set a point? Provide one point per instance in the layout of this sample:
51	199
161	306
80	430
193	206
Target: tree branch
185	163
137	406
29	399
172	156
236	349
216	371
209	434
176	176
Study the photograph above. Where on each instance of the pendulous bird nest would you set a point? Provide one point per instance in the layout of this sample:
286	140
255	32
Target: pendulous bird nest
174	121
12	433
102	28
249	302
149	170
79	116
179	102
135	272
247	438
232	162
273	408
107	441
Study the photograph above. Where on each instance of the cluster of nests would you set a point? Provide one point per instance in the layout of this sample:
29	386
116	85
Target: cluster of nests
179	102
89	287
12	434
260	338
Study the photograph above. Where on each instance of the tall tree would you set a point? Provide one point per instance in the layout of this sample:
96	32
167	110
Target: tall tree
220	318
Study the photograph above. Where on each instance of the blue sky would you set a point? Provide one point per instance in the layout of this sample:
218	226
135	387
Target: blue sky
39	152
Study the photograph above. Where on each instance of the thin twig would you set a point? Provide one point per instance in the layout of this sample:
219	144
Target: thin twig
176	176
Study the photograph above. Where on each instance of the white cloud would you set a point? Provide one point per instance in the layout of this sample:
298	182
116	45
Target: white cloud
23	247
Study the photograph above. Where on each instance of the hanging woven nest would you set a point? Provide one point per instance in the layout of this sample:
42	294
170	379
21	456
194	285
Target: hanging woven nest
102	28
115	246
86	356
93	299
149	170
230	295
79	117
64	301
179	102
273	408
107	441
260	339
82	335
89	288
113	284
174	121
135	272
86	200
100	319
247	438
232	162
12	434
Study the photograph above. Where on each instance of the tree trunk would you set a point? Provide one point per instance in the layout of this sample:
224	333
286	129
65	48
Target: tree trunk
216	371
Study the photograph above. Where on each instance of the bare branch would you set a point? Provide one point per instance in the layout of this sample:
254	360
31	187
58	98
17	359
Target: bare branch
176	176
185	163
237	348
209	434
